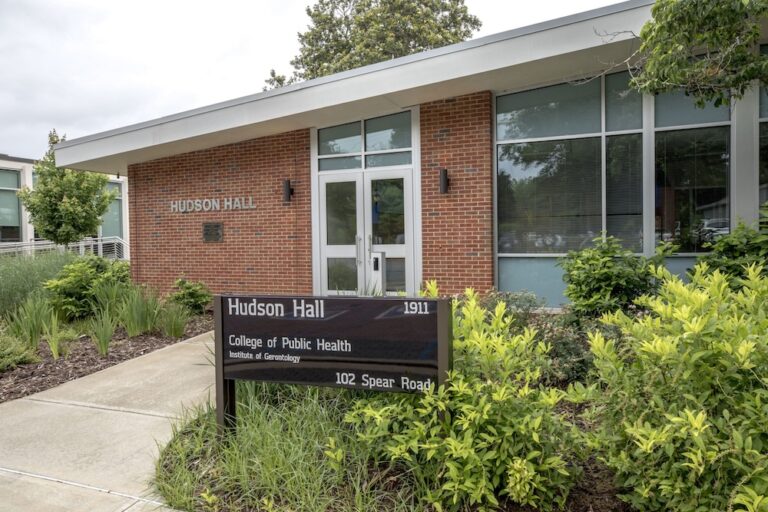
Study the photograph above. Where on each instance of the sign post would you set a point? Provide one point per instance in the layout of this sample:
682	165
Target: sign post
389	344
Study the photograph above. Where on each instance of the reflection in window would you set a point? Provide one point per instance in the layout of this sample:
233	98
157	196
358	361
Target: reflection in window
549	195
388	211
624	189
395	274
10	207
692	200
341	213
339	140
388	132
342	274
563	109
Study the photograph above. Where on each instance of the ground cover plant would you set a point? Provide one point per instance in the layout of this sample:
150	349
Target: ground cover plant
193	295
683	399
23	275
290	451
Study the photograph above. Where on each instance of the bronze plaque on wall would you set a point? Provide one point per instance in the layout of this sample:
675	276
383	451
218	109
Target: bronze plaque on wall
213	232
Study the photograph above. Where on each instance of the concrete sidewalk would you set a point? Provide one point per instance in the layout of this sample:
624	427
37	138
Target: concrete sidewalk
90	444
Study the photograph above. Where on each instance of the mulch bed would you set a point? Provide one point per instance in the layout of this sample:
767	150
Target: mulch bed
83	359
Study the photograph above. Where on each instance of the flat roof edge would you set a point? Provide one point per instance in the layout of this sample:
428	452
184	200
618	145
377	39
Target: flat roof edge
372	68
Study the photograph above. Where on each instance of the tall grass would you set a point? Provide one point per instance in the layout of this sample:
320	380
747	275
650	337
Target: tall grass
139	311
58	336
173	319
109	296
22	275
276	460
27	323
102	329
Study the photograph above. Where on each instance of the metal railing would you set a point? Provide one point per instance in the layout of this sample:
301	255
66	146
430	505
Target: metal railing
112	247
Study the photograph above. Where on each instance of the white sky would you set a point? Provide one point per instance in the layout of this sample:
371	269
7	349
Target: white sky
85	66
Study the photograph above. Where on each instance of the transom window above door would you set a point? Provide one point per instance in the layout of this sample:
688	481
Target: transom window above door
378	142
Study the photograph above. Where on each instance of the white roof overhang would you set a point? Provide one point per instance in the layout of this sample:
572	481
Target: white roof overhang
571	47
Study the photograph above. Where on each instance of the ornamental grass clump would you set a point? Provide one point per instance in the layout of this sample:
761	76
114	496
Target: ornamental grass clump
102	329
139	311
684	394
58	336
26	324
173	319
490	434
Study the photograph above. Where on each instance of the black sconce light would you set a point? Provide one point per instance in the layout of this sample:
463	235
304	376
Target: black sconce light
444	181
287	191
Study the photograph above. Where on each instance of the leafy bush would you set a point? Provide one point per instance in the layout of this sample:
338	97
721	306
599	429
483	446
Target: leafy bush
193	295
58	336
72	291
139	311
13	353
27	322
684	399
742	247
173	319
490	433
606	277
22	275
569	359
521	306
102	329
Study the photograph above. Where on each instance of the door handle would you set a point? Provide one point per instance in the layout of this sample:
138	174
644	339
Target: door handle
358	241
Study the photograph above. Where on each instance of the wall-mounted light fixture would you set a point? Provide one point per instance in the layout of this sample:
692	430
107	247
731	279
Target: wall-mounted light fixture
444	181
287	191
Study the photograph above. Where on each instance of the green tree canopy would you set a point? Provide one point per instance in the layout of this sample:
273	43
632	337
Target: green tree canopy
707	48
346	34
66	205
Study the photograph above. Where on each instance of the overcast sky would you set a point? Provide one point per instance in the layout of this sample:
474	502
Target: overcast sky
85	66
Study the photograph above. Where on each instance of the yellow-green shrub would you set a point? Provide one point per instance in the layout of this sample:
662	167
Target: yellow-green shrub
684	399
490	433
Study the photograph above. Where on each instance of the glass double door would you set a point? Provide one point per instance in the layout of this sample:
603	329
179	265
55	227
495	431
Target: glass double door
366	233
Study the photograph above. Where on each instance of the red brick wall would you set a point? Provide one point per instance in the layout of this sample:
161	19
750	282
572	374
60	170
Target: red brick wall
265	250
457	228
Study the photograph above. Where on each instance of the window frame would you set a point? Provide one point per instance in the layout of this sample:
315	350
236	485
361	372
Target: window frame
18	202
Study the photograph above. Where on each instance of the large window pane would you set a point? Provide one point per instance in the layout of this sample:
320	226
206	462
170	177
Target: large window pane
564	109
395	274
763	163
624	189
338	140
388	132
623	104
549	195
692	199
113	220
341	212
388	211
10	217
677	109
9	179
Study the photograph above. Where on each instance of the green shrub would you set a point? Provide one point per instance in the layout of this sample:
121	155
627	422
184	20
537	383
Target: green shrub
138	314
490	433
521	306
13	353
173	319
27	322
22	275
193	295
102	330
684	401
569	358
58	336
607	277
72	291
742	247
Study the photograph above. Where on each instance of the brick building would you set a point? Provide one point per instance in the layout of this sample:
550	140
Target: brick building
477	164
